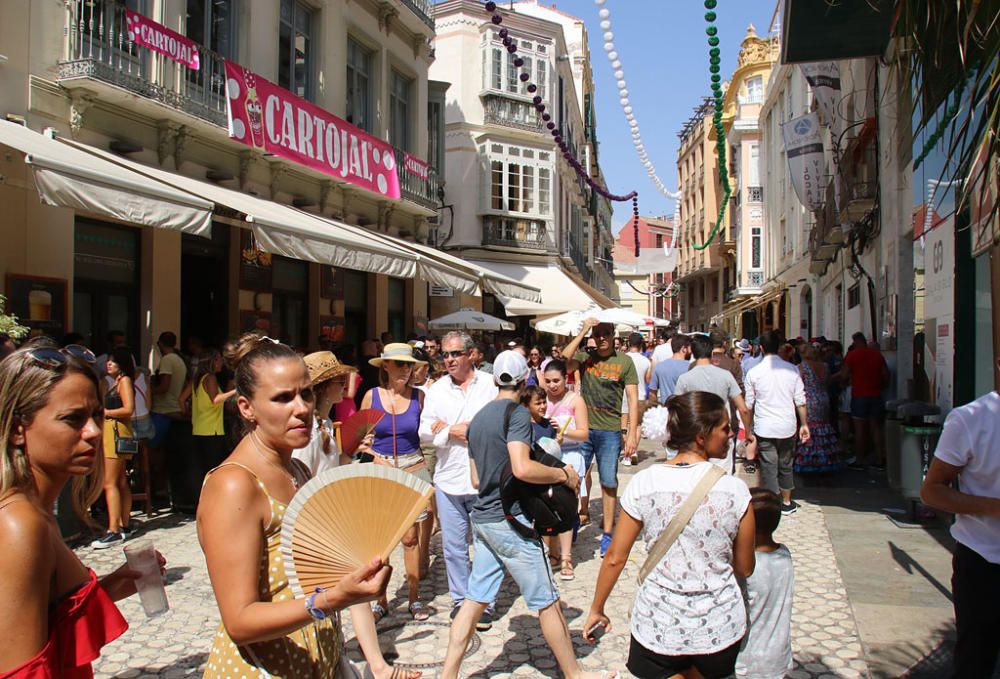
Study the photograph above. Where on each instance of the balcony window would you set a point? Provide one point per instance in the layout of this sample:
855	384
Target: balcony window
514	188
212	25
359	88
755	247
544	191
541	75
496	185
518	181
435	134
399	110
295	57
512	81
496	68
511	232
500	73
755	90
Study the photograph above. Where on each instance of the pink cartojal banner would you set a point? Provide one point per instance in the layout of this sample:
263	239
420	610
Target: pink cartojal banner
144	31
416	166
272	119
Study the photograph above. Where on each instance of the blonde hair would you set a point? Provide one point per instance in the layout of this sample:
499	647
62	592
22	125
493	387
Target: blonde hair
24	390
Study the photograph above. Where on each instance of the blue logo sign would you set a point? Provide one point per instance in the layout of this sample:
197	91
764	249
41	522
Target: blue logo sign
803	127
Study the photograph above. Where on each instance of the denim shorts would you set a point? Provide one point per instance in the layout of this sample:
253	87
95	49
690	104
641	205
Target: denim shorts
606	446
864	407
161	425
498	548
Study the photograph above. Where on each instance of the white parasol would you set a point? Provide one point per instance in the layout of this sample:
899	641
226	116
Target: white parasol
469	319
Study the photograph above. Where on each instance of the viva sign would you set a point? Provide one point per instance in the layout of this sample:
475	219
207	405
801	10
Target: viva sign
273	120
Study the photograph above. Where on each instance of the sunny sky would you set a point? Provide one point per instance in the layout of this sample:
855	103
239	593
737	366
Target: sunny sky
664	53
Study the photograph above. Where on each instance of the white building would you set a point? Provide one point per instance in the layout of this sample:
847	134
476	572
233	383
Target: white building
516	206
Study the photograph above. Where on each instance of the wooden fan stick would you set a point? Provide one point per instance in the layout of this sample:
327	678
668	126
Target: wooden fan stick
336	437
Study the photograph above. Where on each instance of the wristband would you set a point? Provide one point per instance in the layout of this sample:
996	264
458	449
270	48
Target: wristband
314	612
566	473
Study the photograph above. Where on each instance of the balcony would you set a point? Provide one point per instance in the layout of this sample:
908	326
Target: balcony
755	194
414	188
512	232
422	9
499	109
859	174
99	49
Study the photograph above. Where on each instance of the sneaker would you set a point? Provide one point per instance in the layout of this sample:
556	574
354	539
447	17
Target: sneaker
627	461
790	508
485	622
605	543
126	533
109	539
851	460
856	466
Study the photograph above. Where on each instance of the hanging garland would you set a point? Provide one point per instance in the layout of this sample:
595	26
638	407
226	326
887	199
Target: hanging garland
714	61
511	46
619	74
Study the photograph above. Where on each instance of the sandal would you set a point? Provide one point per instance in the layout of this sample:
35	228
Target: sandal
567	574
554	562
419	610
584	520
378	611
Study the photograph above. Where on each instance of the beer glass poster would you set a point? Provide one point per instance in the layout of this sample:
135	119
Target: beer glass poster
39	303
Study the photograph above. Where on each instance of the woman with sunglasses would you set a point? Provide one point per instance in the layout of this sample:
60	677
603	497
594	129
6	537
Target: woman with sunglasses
535	359
56	614
265	630
397	443
119	406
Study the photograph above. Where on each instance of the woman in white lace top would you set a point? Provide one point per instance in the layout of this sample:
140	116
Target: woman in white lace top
688	613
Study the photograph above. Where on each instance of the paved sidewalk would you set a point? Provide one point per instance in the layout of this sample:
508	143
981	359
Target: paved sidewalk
825	635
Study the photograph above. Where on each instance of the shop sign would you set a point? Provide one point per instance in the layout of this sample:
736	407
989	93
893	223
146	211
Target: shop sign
824	79
440	291
939	310
144	31
273	120
416	166
804	148
39	303
256	270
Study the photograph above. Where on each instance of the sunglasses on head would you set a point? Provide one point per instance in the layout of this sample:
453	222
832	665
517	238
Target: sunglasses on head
454	354
54	359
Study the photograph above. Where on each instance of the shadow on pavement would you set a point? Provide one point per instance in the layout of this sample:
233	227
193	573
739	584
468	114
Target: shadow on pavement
524	627
188	666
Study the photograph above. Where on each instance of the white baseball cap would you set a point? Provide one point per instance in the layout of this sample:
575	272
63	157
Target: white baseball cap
509	369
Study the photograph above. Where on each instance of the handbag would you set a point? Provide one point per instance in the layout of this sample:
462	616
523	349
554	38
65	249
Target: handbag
125	445
681	519
550	507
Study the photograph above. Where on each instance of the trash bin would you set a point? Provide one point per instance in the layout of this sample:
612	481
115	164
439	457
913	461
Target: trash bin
918	438
893	425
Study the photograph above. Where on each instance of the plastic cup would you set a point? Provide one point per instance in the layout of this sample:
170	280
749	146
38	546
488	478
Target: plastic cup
141	557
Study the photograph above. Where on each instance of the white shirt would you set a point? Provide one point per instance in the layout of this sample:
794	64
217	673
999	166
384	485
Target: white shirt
641	367
662	352
774	388
766	651
448	402
690	603
971	440
749	362
313	456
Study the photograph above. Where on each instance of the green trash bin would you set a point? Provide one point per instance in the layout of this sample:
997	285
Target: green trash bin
917	444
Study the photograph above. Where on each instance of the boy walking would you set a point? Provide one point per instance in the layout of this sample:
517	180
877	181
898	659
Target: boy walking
767	647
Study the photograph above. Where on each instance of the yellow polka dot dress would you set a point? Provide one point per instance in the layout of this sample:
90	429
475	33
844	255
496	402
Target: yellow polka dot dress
310	652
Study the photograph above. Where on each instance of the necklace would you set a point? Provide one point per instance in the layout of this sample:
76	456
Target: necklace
256	447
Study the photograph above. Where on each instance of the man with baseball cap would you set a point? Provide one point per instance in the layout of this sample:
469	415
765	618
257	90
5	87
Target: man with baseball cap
494	441
605	375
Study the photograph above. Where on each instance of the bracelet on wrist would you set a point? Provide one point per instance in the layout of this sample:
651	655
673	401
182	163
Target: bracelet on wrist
311	608
566	474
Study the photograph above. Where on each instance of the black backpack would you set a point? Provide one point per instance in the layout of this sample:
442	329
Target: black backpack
551	508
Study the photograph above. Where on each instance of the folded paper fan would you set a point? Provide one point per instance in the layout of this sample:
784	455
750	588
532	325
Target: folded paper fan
654	424
355	428
343	518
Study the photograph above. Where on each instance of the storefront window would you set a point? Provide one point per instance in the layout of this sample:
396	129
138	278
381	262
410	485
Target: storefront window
290	301
397	308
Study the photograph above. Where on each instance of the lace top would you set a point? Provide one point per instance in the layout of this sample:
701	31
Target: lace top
690	603
79	626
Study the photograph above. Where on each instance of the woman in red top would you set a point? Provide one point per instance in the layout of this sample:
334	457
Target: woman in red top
55	614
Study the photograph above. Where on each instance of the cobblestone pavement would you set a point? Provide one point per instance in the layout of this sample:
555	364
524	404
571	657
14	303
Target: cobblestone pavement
825	637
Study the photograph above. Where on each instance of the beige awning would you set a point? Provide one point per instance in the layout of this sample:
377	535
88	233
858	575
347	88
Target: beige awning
68	177
559	291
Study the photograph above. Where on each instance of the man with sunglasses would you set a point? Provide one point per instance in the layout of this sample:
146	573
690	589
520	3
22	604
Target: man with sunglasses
607	376
449	406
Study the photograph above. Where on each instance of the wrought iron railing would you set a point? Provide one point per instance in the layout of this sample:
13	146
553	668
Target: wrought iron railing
414	187
516	233
755	279
501	110
98	46
755	194
423	9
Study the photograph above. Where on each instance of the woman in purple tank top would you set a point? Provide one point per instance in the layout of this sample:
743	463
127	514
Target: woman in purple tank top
397	444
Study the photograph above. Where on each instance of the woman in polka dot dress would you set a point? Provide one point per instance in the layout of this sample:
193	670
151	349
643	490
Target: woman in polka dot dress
265	631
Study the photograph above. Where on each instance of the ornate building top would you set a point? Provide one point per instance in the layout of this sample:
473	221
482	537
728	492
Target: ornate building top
756	50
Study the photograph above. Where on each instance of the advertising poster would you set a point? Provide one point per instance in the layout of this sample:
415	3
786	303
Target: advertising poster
39	303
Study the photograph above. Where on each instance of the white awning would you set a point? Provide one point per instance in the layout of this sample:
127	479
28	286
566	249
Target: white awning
285	230
559	291
68	177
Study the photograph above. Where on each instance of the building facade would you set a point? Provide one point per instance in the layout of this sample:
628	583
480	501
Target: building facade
515	206
649	294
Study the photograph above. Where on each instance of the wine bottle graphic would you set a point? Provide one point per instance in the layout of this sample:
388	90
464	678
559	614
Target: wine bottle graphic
255	111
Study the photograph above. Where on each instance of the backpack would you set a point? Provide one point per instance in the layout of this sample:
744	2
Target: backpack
551	508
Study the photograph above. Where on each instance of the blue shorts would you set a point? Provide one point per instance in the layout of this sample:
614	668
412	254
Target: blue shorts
161	424
498	548
606	446
865	407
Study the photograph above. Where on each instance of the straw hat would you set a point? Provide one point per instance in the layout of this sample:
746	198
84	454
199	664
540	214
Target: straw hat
323	365
397	351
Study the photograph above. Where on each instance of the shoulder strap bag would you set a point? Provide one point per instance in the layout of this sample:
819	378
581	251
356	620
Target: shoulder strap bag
680	521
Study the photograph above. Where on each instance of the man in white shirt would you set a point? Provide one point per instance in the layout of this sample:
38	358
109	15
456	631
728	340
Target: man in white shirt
969	451
777	396
750	359
449	406
662	351
644	369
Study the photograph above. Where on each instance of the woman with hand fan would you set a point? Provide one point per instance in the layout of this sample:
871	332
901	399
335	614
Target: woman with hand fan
397	444
265	630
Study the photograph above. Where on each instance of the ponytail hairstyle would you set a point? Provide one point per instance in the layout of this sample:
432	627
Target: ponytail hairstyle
557	364
24	390
246	356
692	414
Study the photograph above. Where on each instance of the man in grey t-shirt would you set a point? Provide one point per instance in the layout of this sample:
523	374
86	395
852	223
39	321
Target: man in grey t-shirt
497	547
706	377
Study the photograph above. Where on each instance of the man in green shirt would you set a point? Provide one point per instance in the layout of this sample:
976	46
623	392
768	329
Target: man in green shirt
605	375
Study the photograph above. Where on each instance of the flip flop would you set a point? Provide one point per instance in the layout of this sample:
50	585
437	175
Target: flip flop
378	611
400	673
419	610
567	574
